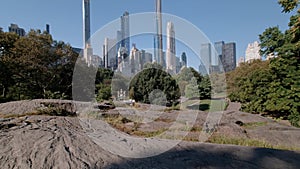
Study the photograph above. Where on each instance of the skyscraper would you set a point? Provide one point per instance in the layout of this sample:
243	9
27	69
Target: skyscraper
135	60
183	59
110	53
15	28
229	56
125	31
86	23
119	39
48	28
219	51
87	51
146	57
159	39
171	51
205	54
252	52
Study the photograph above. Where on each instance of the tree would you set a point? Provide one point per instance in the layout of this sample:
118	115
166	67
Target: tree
288	5
35	66
186	78
104	84
272	87
285	70
192	89
7	43
153	79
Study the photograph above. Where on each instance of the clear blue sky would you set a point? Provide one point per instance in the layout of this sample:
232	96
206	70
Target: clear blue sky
239	21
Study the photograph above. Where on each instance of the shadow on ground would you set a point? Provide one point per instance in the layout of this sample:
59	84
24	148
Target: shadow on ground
202	107
214	156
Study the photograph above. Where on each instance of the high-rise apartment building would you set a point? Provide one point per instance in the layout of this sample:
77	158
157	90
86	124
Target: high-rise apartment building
229	56
171	50
146	58
110	53
252	52
178	65
135	60
1	29
183	59
205	54
158	45
202	69
219	51
86	22
87	50
125	31
48	28
15	28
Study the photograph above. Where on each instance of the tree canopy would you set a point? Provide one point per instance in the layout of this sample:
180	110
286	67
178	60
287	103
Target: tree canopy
272	87
193	85
35	66
153	82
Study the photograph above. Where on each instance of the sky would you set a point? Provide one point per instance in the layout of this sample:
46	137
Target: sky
239	21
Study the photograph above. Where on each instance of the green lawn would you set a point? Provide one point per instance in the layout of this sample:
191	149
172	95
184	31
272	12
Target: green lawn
205	105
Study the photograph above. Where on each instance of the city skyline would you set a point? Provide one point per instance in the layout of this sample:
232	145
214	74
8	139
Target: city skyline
242	28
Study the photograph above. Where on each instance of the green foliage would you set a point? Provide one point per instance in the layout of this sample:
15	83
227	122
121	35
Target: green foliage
294	118
271	40
288	5
272	87
119	82
151	80
104	84
35	66
192	89
194	85
104	92
157	97
218	83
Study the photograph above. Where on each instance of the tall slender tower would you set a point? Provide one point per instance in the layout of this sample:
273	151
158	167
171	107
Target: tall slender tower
171	51
86	22
125	31
48	28
159	38
87	51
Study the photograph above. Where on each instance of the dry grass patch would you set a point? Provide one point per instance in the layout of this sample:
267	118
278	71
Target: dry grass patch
248	142
254	124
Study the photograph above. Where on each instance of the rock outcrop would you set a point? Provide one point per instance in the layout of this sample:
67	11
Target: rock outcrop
32	141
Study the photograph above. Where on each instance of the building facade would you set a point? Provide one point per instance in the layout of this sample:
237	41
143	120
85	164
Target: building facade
229	56
158	45
125	31
48	28
205	53
171	49
110	57
15	28
87	50
219	50
146	58
252	52
183	59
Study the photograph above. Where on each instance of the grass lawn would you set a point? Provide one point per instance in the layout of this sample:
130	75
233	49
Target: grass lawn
206	105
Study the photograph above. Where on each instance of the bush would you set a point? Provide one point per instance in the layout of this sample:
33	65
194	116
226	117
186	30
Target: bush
294	119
